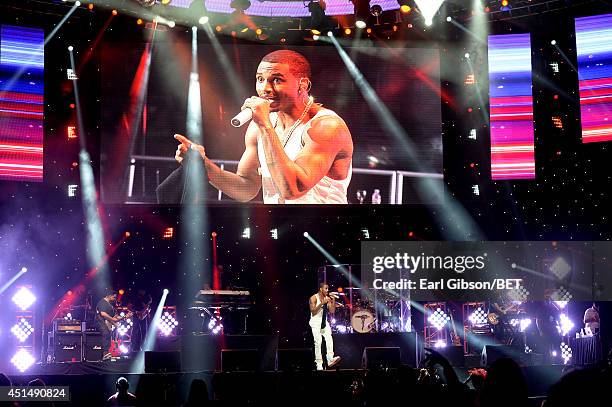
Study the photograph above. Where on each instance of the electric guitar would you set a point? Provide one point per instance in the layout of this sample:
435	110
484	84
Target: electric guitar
112	325
494	317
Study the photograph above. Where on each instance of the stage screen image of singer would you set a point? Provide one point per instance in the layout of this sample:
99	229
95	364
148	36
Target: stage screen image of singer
388	139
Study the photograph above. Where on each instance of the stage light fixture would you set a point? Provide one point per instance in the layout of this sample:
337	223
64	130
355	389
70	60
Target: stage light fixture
315	37
77	3
22	330
167	324
438	319
166	291
258	31
70	48
440	343
404	6
274	234
449	19
566	353
467	55
245	29
306	234
362	24
240	6
166	2
22	360
23	298
114	12
478	317
472	135
347	31
203	20
553	42
362	12
564	325
139	21
330	34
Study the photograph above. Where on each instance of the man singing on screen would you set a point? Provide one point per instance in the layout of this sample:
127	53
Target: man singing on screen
296	150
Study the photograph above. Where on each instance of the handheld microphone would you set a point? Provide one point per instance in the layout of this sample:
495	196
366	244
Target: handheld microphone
241	118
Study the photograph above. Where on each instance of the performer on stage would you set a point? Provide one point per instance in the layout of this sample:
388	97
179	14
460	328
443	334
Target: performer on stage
105	319
322	304
296	150
142	311
591	319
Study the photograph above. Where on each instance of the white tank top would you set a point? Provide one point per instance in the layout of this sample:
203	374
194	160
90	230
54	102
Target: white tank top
326	191
316	319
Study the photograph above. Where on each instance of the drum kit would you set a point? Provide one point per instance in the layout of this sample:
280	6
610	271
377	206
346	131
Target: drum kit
363	316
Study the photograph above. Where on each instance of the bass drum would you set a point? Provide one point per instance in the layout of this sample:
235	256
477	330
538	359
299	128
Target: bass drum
362	321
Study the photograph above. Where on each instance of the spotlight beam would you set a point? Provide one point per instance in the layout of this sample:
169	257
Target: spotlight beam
13	279
237	87
457	222
96	252
151	337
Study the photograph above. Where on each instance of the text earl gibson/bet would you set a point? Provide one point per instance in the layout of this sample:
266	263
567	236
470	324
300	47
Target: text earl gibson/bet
448	284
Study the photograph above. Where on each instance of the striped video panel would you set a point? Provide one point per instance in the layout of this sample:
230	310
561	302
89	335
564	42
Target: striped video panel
594	49
21	103
511	107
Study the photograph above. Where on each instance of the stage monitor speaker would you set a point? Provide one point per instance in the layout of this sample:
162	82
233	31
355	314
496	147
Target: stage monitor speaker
162	362
239	360
92	346
294	360
490	353
65	347
454	354
381	358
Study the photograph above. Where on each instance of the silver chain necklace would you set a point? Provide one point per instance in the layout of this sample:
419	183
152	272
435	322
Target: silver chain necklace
297	122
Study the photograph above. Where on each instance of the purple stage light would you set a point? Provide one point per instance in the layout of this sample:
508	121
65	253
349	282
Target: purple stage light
23	298
167	324
22	360
22	330
438	319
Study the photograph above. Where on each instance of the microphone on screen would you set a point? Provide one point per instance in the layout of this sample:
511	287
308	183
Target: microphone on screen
241	118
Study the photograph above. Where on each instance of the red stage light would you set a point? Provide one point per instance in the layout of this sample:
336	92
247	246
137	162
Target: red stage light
71	130
469	110
233	33
410	234
340	289
168	233
556	97
283	40
214	234
72	105
69	292
127	234
472	165
115	12
75	164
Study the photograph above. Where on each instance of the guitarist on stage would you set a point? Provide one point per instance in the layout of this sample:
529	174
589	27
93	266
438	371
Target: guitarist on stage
106	320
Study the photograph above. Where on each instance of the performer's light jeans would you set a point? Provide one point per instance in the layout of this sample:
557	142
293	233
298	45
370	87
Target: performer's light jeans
318	334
